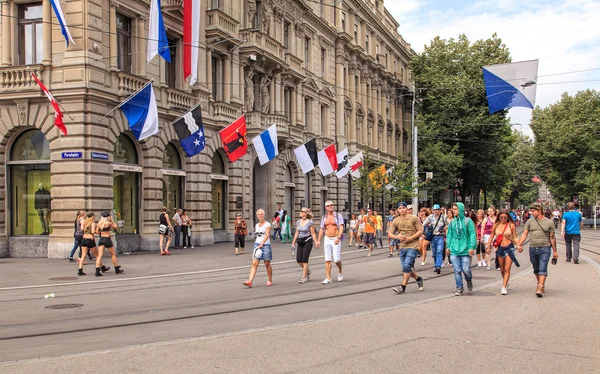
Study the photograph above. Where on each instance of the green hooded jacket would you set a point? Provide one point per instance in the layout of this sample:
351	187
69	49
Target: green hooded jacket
461	235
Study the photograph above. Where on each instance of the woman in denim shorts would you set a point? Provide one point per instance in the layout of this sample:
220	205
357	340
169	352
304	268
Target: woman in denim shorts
262	249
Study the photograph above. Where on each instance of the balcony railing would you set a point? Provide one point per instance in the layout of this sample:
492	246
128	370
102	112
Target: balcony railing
224	112
177	99
218	21
262	42
19	77
129	83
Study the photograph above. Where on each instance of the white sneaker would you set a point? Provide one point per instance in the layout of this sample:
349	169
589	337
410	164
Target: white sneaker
483	263
479	264
326	281
504	291
191	246
489	268
340	277
369	254
423	263
356	245
303	280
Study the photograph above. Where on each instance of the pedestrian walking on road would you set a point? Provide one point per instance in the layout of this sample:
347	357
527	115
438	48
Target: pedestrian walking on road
332	228
477	218
262	249
437	223
164	230
177	224
424	213
361	229
379	232
303	241
462	240
353	228
275	226
488	224
241	231
370	222
87	242
186	229
103	229
542	240
78	236
408	229
504	239
570	230
286	228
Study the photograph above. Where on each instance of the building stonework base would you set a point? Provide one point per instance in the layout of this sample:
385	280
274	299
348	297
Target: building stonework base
61	248
221	236
133	243
4	248
28	246
205	238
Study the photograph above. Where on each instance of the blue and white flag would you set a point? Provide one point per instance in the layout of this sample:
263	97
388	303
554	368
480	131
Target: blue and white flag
265	145
511	85
158	44
190	131
141	112
62	21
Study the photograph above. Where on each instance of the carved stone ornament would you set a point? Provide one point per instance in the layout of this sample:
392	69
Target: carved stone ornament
300	27
249	88
251	11
22	111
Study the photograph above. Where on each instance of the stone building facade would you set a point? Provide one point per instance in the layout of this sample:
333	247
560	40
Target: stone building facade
337	73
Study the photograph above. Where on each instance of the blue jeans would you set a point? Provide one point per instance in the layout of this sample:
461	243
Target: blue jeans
275	232
539	257
461	264
437	250
407	259
177	235
75	246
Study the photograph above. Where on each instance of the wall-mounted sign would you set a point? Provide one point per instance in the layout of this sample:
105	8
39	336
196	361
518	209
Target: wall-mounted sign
99	156
71	155
219	177
179	173
122	167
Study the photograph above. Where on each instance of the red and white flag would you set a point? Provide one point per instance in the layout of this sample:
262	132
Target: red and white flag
328	162
191	39
58	122
355	164
234	139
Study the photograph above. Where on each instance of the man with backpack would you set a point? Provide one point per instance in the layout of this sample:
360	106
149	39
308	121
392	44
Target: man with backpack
435	233
408	229
332	227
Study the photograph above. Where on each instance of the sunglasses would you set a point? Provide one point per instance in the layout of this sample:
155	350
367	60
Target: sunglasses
505	217
303	211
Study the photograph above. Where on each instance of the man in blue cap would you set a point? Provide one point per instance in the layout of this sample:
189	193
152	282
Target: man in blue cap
408	229
437	222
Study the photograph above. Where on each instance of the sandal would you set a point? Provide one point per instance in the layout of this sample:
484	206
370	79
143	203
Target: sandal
247	284
269	284
167	253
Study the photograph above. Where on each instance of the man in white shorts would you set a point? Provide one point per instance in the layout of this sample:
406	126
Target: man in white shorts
332	226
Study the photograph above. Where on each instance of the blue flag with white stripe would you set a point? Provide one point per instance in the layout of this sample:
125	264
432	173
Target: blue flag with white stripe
265	145
158	44
142	114
511	85
62	21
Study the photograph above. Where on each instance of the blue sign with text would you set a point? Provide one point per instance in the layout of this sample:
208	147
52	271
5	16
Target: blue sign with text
69	155
99	156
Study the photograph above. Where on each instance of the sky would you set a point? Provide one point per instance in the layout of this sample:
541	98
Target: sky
563	35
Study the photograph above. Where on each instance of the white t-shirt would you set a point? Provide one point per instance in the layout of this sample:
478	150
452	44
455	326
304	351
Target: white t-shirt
556	214
259	232
361	224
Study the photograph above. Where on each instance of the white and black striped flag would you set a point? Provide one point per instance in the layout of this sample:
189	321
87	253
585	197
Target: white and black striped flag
307	155
190	131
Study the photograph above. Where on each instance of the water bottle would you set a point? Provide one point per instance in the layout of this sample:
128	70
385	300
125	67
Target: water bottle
293	251
49	296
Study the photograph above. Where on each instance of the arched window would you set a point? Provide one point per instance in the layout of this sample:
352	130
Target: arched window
126	175
30	185
173	178
219	192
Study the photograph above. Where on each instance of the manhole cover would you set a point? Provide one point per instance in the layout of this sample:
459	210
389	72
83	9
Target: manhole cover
479	293
64	306
63	279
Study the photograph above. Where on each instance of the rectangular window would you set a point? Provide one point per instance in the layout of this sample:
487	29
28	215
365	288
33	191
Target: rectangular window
356	86
355	33
306	52
307	113
345	78
30	33
367	43
343	21
124	43
287	103
286	35
323	62
215	77
323	120
171	68
376	48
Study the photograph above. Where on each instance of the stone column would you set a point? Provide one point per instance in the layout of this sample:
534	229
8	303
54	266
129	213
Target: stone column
374	101
47	32
384	104
339	83
352	125
294	106
6	34
237	84
112	45
162	71
278	94
209	71
141	46
364	99
272	94
393	119
300	104
226	79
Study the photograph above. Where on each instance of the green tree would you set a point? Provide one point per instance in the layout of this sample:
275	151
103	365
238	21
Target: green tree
567	142
453	116
521	168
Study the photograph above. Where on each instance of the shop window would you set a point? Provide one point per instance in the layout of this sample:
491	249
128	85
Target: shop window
218	192
173	178
31	200
126	176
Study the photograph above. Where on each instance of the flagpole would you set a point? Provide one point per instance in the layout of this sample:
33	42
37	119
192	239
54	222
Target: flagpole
189	110
126	100
59	104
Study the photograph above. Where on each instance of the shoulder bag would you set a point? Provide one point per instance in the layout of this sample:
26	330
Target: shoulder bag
500	237
431	230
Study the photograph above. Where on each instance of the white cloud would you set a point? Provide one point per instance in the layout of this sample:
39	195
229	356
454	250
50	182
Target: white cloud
564	36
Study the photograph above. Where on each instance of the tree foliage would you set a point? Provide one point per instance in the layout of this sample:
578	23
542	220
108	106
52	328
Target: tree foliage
458	138
521	168
567	142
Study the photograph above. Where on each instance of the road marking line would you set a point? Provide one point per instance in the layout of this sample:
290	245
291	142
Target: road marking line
593	263
255	330
156	276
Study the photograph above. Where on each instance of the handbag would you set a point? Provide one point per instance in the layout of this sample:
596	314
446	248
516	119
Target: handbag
430	230
162	229
500	237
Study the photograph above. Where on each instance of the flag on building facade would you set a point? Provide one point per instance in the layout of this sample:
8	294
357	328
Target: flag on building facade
378	177
190	131
328	162
355	164
62	21
343	167
234	139
58	122
158	44
141	112
389	172
511	85
265	145
191	39
306	155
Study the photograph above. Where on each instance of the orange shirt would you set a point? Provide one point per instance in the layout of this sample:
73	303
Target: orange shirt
370	224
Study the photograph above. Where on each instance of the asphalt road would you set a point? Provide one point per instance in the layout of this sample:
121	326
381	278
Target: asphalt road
193	306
